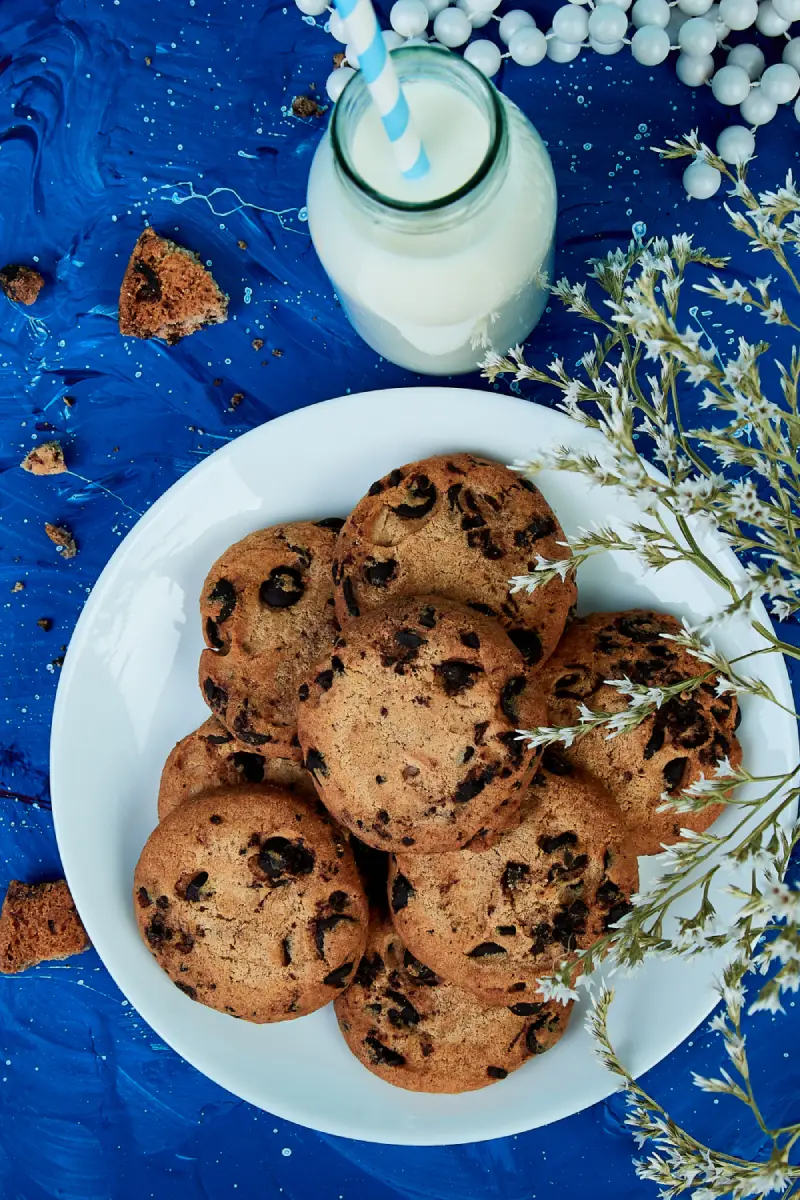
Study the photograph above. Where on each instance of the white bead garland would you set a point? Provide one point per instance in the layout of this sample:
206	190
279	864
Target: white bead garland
607	24
788	9
452	27
694	8
738	14
561	52
791	53
606	47
336	27
571	23
392	40
527	47
750	57
768	20
409	18
650	12
434	7
650	45
694	70
730	85
697	37
701	180
312	8
335	83
780	83
484	55
736	144
512	21
758	109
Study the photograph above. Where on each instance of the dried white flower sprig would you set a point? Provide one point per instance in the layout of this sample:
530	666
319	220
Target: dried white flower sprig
734	482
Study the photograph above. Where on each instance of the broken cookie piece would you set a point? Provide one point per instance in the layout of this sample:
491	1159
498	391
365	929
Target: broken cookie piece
47	459
39	922
20	283
167	293
63	540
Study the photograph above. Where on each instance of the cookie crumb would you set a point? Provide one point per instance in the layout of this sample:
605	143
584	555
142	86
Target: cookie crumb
236	399
339	59
257	343
45	623
167	293
58	662
277	354
217	383
63	540
19	283
306	106
47	459
242	244
69	401
38	923
19	586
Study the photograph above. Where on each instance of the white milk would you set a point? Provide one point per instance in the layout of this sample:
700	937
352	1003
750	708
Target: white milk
434	288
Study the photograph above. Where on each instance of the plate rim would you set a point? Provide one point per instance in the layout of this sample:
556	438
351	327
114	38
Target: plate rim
71	665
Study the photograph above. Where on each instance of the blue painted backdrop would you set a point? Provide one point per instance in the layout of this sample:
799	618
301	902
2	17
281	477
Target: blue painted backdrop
117	112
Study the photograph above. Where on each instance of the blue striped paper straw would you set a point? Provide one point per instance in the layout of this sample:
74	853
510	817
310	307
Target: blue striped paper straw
364	35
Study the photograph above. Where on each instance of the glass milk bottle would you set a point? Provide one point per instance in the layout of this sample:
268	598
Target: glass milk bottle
434	273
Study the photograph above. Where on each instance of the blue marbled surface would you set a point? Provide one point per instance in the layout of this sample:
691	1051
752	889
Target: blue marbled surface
202	144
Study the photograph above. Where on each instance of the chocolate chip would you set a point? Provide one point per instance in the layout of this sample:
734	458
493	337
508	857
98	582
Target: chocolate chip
475	521
617	913
538	528
404	1017
325	680
279	856
508	697
324	925
479	732
607	893
408	841
655	741
186	989
486	950
555	762
286	951
518	987
157	931
250	767
332	523
382	816
569	922
375	488
525	1009
162	902
496	1072
283	588
402	892
350	597
394	478
193	891
427	617
423	497
143	898
456	675
337	571
218	739
215	819
368	971
481	608
542	936
338	901
639	629
507	930
514	875
528	643
673	773
380	779
382	1055
514	747
315	763
557	841
531	1040
475	782
212	635
216	696
481	539
578	683
303	691
380	573
338	977
453	496
469	753
224	594
472	640
408	639
418	971
737	722
243	729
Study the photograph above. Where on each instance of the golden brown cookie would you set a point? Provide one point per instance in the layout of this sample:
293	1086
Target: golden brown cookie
410	1027
213	758
39	922
495	921
166	292
409	727
267	610
250	900
458	526
685	738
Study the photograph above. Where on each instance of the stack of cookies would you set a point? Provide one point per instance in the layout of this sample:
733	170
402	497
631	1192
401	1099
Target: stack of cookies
358	820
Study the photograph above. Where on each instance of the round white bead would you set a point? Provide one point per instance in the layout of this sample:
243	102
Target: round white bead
780	82
623	4
738	14
748	56
677	20
527	47
452	27
697	37
434	7
650	45
409	18
757	109
351	57
720	28
769	22
584	2
477	17
337	29
788	9
607	24
791	53
797	109
736	144
422	40
606	47
485	6
392	40
694	8
312	8
571	23
335	83
701	180
694	70
484	55
730	85
561	52
512	21
651	12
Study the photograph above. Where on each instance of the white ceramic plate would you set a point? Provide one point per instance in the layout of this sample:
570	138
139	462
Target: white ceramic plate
128	692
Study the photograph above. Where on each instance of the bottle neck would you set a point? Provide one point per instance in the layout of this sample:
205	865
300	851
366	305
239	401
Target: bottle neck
415	64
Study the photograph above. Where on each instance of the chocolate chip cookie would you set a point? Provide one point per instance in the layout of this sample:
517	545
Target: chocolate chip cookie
267	609
409	726
495	921
685	738
212	758
458	526
410	1027
250	900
